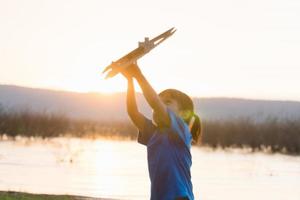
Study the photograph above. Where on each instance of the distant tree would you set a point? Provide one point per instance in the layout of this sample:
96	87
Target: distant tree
1	109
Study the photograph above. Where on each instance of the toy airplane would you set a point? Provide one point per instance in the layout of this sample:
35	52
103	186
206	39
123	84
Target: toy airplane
144	47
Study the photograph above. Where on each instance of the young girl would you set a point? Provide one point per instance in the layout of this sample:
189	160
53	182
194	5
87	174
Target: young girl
168	137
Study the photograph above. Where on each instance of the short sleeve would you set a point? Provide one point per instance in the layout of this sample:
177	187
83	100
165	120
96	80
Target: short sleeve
179	129
146	132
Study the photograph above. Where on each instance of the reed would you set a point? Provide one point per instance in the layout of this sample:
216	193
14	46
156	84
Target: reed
271	134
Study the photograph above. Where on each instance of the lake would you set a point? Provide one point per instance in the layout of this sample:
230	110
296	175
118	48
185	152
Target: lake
118	169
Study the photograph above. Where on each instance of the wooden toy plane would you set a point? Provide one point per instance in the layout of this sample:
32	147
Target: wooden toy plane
144	47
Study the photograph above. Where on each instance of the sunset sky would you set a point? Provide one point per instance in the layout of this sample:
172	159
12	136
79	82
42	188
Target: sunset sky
234	48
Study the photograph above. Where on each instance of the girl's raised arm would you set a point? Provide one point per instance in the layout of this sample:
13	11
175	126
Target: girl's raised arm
150	95
153	99
136	117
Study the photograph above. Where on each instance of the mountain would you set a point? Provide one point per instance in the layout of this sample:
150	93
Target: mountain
112	107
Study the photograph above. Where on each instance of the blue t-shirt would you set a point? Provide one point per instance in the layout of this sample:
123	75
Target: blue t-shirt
169	159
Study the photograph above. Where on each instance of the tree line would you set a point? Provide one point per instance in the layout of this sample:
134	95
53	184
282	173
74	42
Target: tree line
273	134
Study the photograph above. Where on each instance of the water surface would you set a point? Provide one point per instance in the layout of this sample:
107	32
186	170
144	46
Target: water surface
118	169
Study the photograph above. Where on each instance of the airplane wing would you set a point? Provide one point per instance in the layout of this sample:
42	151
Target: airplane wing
144	47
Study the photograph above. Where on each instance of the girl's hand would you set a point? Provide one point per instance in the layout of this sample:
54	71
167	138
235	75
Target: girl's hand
131	71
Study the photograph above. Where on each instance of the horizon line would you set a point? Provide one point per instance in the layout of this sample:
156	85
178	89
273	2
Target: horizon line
122	92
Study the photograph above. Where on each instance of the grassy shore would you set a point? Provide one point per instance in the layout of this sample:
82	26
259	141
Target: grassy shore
9	195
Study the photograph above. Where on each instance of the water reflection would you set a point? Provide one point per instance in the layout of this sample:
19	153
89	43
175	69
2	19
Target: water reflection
118	169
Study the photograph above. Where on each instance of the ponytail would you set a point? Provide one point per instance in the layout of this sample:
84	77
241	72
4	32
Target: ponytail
195	128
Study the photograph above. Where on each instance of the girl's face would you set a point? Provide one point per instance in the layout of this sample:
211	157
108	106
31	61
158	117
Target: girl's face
171	104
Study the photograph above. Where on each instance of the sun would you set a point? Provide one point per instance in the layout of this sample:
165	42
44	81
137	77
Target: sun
113	85
99	84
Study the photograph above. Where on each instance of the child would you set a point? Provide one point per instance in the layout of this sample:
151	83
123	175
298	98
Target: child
168	137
